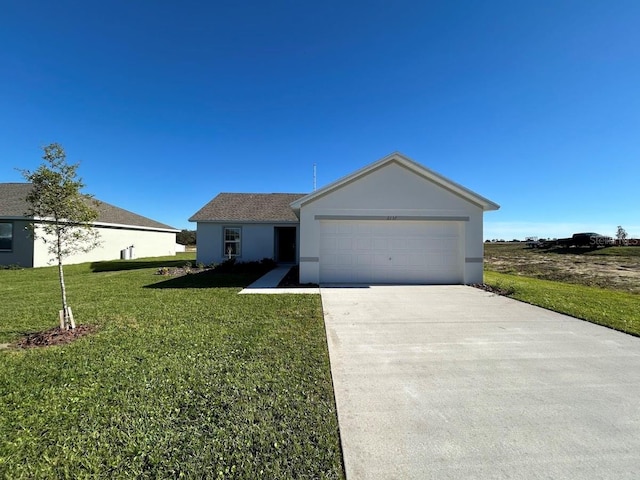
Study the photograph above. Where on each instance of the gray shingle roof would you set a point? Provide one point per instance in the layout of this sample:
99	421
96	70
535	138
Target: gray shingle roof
248	207
12	199
13	204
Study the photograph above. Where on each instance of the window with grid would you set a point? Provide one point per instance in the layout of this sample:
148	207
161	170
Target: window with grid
232	241
6	236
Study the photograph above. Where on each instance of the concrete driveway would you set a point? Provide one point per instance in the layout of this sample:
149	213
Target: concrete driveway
453	382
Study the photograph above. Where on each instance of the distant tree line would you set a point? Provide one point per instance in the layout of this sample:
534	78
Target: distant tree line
186	237
501	240
621	238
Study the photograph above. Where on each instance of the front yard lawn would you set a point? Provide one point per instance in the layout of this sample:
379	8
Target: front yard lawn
183	379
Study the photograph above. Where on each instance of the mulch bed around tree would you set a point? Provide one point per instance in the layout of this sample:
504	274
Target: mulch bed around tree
54	336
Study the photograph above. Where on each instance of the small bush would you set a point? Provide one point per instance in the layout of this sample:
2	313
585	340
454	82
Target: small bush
232	266
268	263
13	266
228	266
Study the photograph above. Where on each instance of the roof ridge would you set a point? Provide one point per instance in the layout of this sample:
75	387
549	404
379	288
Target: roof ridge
262	193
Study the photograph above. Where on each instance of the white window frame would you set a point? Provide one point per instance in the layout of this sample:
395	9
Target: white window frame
237	242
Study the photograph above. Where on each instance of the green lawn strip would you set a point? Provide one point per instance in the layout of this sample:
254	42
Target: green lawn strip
617	251
177	382
614	309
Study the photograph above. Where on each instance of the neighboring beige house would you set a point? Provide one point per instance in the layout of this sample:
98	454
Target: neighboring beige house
392	222
122	233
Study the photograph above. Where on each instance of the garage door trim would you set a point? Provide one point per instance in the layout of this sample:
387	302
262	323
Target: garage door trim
392	218
367	251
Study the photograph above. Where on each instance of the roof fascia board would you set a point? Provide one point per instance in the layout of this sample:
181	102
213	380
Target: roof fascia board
134	227
96	224
253	222
449	184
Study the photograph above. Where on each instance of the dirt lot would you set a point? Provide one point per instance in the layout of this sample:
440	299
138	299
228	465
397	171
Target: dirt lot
616	268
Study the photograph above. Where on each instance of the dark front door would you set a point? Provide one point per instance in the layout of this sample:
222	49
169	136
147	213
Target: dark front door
285	244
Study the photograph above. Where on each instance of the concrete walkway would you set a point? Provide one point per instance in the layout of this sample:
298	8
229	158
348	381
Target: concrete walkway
268	284
451	382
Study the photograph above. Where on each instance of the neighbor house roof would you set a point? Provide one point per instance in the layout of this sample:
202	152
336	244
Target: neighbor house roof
13	204
409	164
249	207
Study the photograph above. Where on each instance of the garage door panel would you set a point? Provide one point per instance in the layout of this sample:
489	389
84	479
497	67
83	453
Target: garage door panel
362	259
363	229
344	259
407	260
344	243
398	243
328	243
363	243
344	228
391	252
415	243
380	243
380	260
329	228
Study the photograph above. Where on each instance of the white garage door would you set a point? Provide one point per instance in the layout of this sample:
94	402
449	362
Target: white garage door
376	251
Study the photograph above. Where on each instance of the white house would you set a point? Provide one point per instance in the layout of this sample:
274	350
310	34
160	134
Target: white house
392	222
121	233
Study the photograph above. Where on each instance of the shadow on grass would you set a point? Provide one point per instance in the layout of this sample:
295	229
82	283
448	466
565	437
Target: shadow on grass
568	250
208	279
122	265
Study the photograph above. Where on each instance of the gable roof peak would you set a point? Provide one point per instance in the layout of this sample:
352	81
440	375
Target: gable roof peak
410	164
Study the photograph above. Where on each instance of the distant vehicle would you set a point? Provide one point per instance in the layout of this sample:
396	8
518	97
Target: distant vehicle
589	239
534	242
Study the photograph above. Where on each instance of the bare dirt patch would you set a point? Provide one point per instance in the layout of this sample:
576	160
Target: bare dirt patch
54	336
580	266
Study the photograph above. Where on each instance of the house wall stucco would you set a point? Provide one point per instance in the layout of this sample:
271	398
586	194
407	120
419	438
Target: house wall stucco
391	191
147	243
22	249
257	241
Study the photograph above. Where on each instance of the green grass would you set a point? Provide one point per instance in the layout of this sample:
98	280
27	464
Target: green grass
184	379
617	251
614	309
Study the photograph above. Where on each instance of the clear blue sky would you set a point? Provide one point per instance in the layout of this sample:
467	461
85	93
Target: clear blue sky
533	104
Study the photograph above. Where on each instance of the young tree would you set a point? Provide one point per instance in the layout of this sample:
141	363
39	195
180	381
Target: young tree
62	215
621	235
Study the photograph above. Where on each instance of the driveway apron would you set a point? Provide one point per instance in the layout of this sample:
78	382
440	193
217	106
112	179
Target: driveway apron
452	382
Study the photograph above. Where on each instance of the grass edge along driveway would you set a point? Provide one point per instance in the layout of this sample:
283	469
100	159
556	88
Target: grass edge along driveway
610	308
182	380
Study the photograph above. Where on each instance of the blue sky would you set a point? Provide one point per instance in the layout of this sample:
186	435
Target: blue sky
532	104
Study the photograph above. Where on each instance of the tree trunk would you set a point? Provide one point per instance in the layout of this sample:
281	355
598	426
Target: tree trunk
65	308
